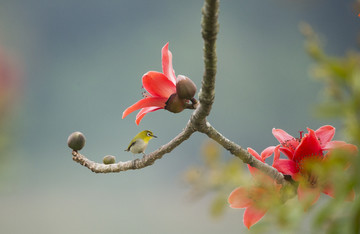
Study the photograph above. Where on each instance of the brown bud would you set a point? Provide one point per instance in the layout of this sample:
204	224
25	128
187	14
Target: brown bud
109	159
185	88
174	104
76	141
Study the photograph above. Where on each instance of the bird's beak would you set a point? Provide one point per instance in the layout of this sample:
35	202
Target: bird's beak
154	136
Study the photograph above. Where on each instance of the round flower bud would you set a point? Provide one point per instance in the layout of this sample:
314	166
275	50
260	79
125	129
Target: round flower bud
185	88
109	159
174	104
76	141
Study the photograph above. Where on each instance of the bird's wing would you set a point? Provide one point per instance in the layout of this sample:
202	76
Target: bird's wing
131	144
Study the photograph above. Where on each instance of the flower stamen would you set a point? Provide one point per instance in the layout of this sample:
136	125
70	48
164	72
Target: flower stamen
290	143
145	94
301	134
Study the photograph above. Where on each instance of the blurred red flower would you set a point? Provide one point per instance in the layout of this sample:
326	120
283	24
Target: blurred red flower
9	83
259	198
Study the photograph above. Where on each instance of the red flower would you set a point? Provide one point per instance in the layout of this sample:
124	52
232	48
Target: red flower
257	199
304	150
10	83
160	86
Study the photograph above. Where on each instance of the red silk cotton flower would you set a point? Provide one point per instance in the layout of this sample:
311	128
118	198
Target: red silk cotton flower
161	90
315	146
259	198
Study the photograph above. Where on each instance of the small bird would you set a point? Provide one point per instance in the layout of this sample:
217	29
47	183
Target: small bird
139	143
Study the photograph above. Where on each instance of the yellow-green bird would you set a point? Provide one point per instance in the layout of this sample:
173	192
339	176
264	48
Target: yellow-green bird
139	143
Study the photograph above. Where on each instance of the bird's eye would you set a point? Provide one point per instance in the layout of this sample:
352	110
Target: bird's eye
148	134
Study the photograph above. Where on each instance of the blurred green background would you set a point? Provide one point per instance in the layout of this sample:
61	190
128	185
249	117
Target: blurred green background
82	65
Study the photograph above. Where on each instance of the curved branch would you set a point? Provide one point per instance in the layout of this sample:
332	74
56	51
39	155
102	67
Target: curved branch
209	31
147	160
197	122
206	96
239	152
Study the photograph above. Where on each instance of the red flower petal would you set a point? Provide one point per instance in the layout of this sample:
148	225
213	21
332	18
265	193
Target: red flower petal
287	152
309	145
157	84
329	190
167	64
325	134
285	139
253	171
254	153
281	135
143	112
267	152
285	166
276	153
252	215
308	195
239	198
340	145
146	102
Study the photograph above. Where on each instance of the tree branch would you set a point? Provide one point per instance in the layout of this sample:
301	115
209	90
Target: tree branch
206	96
197	122
210	28
239	152
147	160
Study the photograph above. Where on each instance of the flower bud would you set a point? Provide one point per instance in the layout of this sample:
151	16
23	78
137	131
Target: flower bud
185	88
174	104
109	159
76	141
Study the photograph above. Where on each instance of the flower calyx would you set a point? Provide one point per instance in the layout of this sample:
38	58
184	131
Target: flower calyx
185	87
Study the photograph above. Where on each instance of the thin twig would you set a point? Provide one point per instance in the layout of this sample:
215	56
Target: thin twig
147	160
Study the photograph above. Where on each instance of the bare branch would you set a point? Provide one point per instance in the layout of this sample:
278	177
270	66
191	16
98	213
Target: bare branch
197	122
147	160
209	32
239	152
210	28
